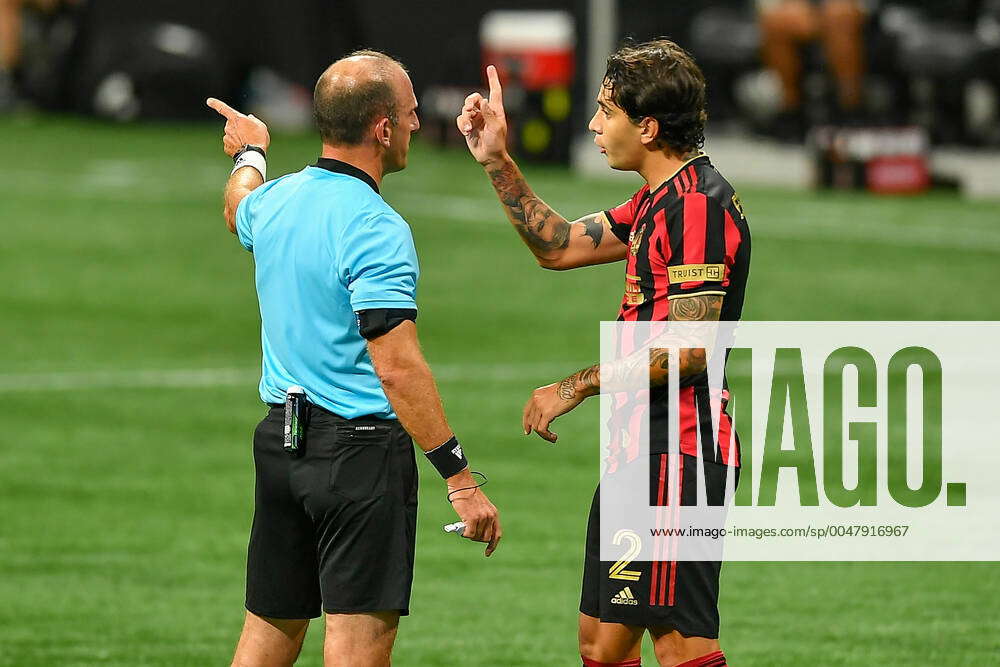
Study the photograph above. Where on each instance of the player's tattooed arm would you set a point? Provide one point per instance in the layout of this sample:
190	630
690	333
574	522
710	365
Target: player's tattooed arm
697	308
542	229
583	383
555	242
549	402
629	372
690	361
593	228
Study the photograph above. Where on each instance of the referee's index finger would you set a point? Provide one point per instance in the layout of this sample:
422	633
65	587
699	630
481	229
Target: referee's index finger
224	109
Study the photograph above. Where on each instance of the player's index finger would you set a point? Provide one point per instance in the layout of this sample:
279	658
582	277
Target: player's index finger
224	109
496	93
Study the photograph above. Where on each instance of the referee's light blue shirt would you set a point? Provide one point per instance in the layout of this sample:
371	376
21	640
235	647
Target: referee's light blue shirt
325	245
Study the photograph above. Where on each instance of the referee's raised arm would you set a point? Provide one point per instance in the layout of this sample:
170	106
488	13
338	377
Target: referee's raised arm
246	141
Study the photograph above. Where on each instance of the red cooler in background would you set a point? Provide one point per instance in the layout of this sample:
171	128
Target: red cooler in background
534	52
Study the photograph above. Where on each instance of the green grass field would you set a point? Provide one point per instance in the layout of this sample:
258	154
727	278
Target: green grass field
128	358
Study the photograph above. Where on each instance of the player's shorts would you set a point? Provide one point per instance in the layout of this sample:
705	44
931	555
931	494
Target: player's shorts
681	595
334	526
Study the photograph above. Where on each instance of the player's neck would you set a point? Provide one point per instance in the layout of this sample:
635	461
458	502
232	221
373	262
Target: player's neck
363	157
659	167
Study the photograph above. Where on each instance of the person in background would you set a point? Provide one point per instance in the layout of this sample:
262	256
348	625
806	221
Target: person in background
11	52
787	25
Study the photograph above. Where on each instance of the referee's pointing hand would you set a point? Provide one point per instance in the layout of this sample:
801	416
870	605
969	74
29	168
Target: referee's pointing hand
241	129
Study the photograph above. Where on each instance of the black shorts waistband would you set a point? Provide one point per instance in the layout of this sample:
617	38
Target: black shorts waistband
333	415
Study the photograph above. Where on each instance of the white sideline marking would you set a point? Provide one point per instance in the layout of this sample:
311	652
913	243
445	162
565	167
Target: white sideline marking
125	181
187	378
76	380
808	224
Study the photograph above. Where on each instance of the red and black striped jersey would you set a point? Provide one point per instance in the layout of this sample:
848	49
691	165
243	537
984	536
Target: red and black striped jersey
689	236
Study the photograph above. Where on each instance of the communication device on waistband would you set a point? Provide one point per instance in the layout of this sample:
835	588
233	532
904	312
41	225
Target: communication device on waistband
295	405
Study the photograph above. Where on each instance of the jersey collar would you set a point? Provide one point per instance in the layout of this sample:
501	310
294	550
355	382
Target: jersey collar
339	167
700	157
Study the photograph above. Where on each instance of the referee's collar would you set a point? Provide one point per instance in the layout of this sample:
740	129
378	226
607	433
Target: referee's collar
340	167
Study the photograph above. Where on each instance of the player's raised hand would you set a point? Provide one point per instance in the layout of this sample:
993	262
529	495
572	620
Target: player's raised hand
483	122
241	129
481	518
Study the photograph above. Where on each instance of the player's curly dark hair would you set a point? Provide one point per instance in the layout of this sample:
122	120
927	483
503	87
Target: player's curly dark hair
658	79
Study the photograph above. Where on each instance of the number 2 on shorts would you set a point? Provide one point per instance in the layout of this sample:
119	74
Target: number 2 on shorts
618	571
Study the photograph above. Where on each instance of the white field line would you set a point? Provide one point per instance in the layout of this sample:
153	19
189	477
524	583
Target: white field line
191	378
817	225
124	181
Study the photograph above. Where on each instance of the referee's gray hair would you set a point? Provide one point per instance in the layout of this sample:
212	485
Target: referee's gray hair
346	107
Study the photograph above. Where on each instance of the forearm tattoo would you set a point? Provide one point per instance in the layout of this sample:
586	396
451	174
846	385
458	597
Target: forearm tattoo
633	371
586	382
690	361
541	228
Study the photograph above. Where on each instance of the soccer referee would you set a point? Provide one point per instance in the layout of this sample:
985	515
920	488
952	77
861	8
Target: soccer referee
336	479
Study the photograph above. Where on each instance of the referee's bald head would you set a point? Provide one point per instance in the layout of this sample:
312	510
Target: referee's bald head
355	92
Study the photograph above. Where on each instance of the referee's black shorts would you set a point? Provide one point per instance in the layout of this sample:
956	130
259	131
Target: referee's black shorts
680	595
334	526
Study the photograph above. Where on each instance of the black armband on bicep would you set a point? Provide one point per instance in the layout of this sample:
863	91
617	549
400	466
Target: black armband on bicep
378	321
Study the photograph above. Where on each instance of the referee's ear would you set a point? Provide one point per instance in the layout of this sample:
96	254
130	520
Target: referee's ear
383	132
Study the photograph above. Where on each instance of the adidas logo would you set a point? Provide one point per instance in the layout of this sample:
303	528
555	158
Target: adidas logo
457	451
625	597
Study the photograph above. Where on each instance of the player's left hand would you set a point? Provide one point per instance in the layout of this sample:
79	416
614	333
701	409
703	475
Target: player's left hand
483	122
241	129
547	403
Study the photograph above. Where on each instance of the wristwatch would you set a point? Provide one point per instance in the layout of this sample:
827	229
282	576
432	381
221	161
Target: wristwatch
248	147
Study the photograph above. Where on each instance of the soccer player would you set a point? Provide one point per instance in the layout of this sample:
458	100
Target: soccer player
686	247
335	509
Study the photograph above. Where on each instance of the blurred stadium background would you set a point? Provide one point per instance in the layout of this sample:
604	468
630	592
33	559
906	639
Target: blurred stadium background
129	351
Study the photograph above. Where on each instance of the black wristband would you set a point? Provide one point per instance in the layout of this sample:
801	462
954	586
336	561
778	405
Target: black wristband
248	147
449	459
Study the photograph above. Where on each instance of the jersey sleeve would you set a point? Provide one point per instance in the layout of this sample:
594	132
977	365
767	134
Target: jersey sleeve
244	218
380	264
699	262
622	217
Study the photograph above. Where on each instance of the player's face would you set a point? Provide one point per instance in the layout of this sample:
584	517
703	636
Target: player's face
616	135
407	123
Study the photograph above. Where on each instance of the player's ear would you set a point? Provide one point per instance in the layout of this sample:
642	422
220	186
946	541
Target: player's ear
649	129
